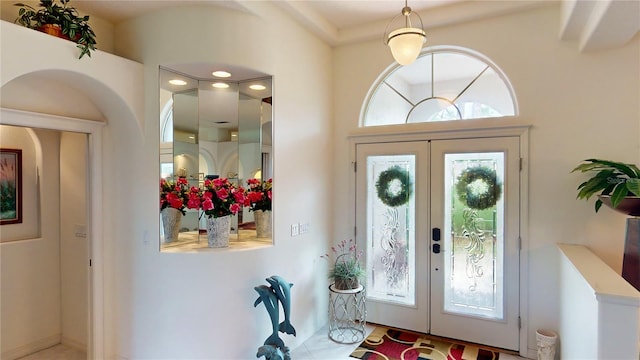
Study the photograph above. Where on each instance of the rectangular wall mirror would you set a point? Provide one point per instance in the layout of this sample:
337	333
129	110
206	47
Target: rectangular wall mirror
213	129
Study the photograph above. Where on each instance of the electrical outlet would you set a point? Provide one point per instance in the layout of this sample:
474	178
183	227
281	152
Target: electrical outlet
295	230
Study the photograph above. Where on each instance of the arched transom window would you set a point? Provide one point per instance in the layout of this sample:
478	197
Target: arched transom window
442	84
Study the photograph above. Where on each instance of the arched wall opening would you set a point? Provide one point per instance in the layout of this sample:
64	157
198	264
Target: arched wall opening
78	103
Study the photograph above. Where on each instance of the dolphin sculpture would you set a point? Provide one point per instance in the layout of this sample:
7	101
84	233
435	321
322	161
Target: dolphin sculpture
270	301
282	290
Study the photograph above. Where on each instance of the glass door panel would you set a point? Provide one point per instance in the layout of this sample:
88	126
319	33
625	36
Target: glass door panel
474	222
391	230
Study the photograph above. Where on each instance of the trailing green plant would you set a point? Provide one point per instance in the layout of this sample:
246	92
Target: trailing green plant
615	179
72	25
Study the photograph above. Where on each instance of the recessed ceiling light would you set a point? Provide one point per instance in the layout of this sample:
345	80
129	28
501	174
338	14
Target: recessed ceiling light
220	85
221	74
257	87
177	82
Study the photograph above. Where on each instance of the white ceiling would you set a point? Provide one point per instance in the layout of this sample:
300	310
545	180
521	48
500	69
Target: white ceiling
593	24
340	13
336	21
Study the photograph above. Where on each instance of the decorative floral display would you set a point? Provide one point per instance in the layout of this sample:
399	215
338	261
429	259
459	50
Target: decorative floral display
219	197
258	195
347	265
394	186
177	195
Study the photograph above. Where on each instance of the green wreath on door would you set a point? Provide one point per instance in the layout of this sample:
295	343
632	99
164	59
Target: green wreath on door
478	178
394	186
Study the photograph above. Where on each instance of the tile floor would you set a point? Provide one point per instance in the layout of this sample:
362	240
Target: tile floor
320	347
317	347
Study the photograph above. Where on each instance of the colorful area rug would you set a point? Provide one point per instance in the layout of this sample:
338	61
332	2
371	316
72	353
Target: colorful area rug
390	344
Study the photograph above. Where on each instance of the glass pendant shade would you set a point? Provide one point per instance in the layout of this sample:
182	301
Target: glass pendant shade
405	44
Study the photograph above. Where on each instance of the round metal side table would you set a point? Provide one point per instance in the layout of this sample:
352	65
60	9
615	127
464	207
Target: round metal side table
347	314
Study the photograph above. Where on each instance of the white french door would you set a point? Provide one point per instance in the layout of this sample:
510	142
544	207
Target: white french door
439	222
395	237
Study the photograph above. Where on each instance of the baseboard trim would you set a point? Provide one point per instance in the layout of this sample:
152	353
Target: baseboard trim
532	353
73	343
31	347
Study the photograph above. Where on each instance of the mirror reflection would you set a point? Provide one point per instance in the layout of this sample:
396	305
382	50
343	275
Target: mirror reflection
211	130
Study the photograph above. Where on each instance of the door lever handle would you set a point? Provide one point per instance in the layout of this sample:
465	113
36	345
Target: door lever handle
436	248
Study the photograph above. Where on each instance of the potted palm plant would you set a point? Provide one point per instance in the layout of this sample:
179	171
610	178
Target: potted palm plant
59	19
616	184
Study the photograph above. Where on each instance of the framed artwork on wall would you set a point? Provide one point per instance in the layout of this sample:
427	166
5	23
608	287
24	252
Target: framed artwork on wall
10	186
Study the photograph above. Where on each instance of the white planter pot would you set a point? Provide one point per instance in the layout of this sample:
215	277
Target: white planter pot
263	223
218	230
171	223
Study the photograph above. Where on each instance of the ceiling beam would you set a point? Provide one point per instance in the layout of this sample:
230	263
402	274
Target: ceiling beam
601	24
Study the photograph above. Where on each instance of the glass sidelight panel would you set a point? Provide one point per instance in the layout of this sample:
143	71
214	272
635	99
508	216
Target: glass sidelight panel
391	228
474	234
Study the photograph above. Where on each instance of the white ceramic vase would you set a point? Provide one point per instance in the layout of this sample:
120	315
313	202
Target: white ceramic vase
263	223
171	223
546	342
218	230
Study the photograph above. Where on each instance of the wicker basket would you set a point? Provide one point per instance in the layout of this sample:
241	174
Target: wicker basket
345	284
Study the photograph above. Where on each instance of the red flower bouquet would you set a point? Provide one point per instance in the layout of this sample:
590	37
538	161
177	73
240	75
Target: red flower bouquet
258	195
177	195
219	197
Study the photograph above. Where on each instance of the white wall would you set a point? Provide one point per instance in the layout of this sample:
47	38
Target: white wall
201	305
599	309
113	85
30	268
580	105
74	247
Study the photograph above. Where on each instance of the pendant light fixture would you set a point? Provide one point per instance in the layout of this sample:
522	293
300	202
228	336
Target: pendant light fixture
405	42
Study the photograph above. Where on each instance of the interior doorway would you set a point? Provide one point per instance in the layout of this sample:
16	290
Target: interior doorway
440	228
89	135
45	282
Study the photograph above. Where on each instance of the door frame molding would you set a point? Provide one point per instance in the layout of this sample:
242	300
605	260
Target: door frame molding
468	129
93	130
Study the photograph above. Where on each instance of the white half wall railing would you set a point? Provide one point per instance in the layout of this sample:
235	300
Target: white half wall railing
599	310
